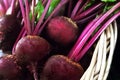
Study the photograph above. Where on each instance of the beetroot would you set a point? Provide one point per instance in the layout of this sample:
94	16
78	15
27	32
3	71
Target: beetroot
9	30
59	67
62	30
31	48
9	70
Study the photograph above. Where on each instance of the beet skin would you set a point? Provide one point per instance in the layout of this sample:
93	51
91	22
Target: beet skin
9	70
9	31
59	67
31	49
62	30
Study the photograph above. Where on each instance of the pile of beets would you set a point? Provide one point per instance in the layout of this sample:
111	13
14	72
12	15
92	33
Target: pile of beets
48	39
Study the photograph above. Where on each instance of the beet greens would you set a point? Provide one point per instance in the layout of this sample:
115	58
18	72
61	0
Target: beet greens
78	49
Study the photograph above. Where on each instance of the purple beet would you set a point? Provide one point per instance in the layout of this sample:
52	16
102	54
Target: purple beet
31	49
62	30
9	31
9	70
59	67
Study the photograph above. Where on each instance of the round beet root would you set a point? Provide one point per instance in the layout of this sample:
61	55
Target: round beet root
31	49
62	30
59	67
9	70
9	31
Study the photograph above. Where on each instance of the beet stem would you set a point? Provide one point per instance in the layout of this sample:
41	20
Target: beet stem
95	37
33	17
81	9
36	31
78	48
76	8
27	17
54	11
43	2
82	35
6	4
23	14
18	14
70	8
86	19
3	5
2	9
10	10
13	5
87	12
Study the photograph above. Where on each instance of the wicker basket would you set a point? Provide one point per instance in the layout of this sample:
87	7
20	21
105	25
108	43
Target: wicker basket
102	56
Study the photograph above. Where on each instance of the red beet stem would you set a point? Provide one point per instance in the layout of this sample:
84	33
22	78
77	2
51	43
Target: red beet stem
44	1
82	35
42	17
88	27
23	15
63	2
70	8
18	14
76	8
6	4
11	8
88	18
13	5
3	5
77	48
27	17
33	17
95	37
87	12
2	10
81	9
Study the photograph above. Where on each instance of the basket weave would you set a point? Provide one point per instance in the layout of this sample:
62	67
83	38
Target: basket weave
102	56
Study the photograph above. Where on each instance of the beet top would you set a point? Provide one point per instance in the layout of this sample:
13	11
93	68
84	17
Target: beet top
59	67
31	48
62	30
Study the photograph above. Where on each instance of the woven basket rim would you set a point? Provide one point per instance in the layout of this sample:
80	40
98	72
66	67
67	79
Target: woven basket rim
100	64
